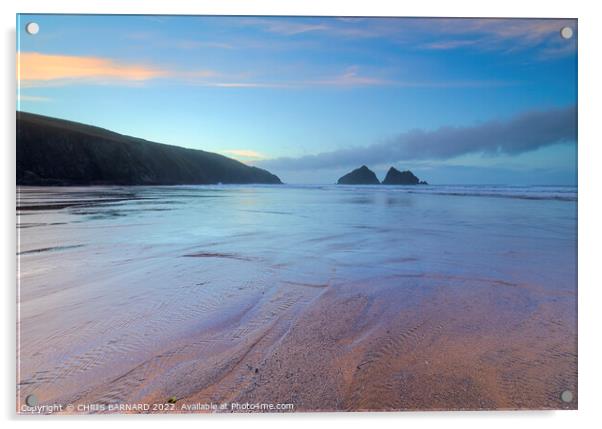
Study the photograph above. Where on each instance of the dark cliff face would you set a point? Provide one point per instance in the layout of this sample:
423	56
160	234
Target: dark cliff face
53	151
396	177
359	176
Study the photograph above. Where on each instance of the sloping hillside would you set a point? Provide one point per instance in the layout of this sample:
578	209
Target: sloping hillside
53	151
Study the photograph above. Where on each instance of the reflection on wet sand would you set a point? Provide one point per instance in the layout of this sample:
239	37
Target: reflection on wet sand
307	296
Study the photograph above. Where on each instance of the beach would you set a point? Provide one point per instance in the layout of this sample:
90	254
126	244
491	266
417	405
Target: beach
329	298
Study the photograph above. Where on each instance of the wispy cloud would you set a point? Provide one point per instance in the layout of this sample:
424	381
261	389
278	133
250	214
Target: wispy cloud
287	27
448	44
247	84
244	154
433	34
351	77
338	27
352	19
530	31
33	98
38	69
164	40
522	133
506	35
35	69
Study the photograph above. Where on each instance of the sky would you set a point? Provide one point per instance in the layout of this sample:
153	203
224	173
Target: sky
457	101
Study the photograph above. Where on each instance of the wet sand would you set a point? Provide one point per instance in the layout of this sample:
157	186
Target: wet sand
405	343
242	318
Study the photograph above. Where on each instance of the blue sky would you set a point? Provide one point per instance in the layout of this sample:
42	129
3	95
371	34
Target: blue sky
312	98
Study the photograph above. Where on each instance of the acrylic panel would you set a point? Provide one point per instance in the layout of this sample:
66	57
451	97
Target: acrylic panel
295	214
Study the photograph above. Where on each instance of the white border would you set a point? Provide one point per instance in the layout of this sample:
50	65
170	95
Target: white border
590	188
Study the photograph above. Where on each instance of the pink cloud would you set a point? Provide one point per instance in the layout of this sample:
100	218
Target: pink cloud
36	69
33	66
